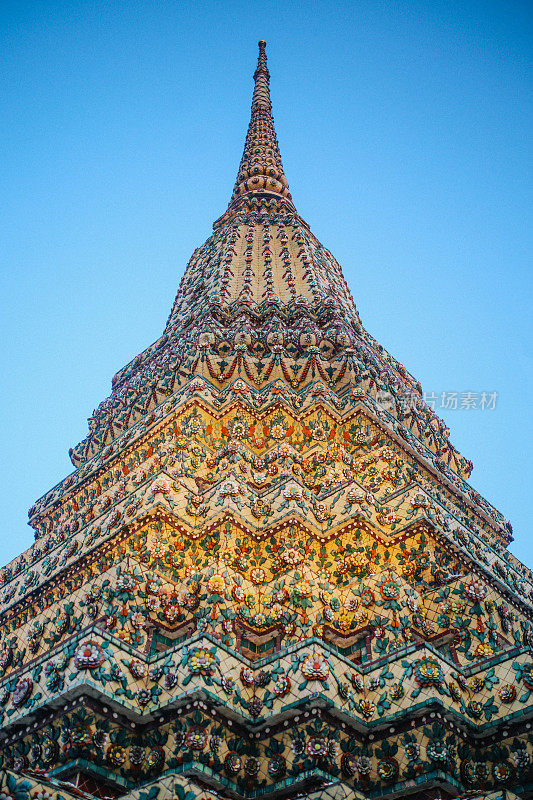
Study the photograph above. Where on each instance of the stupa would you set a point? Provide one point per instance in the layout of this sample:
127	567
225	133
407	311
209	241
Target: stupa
267	575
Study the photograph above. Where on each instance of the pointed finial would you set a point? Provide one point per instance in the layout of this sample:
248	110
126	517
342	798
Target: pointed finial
261	179
262	79
262	59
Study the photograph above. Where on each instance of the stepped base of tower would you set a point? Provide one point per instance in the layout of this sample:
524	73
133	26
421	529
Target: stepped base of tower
263	598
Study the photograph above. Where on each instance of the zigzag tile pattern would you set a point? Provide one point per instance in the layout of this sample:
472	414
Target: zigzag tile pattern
267	574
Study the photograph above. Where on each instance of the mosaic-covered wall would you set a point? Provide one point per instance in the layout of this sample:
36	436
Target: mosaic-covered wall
267	573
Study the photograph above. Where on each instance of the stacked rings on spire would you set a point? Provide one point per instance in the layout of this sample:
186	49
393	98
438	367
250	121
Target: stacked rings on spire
261	179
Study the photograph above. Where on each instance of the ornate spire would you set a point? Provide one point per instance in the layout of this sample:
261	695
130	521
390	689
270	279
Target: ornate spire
261	179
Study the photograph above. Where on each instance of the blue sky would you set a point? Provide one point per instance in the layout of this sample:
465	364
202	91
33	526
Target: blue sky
405	134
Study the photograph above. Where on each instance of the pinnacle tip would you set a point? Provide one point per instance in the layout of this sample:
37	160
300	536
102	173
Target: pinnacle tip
262	44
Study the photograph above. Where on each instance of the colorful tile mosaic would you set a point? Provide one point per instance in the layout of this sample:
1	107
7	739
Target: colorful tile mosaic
261	580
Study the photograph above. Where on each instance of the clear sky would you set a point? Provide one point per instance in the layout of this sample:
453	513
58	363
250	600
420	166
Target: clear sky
405	131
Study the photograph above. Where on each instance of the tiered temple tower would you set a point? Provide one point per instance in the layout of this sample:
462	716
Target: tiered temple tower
267	574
